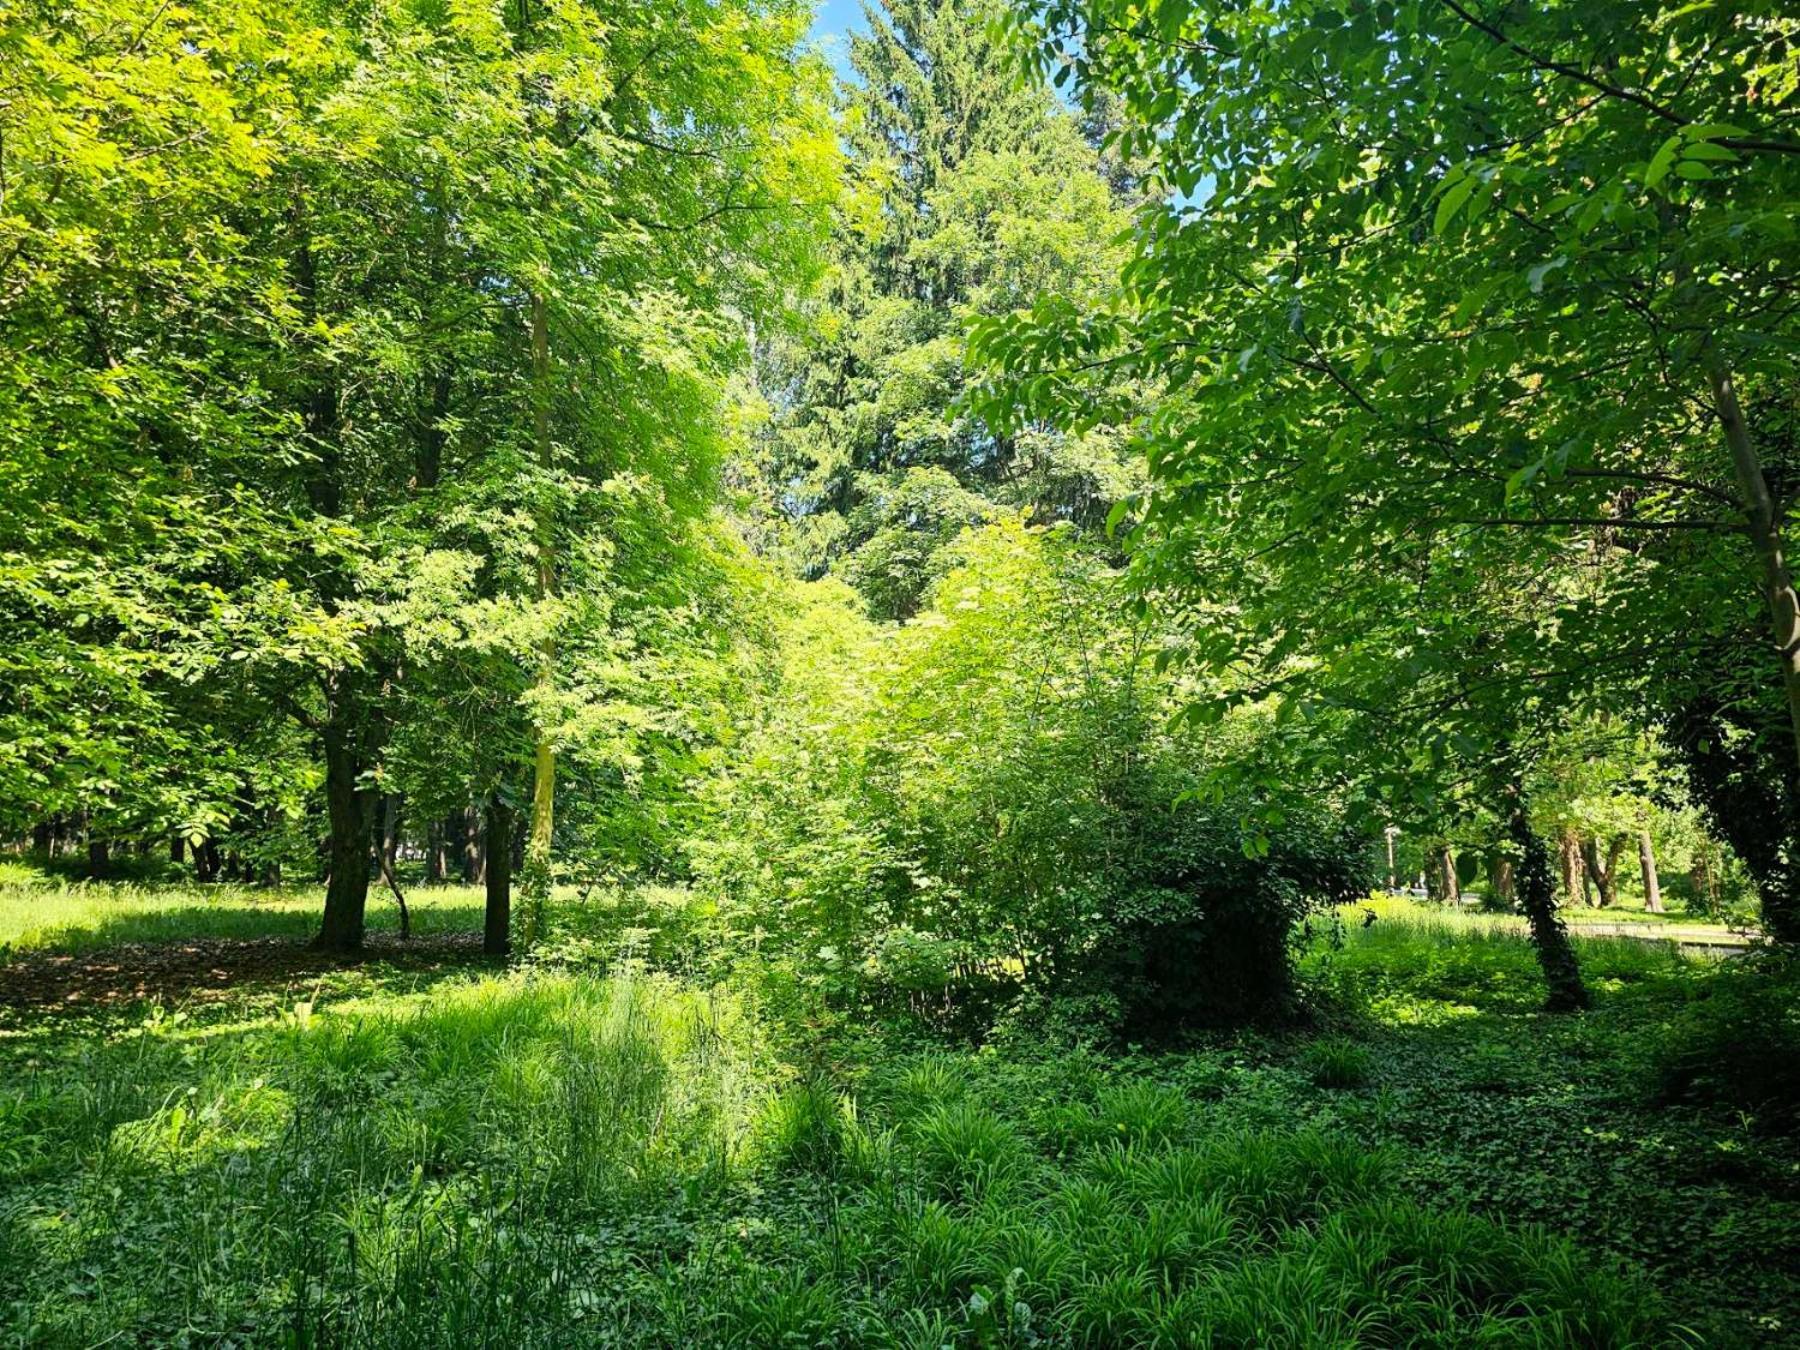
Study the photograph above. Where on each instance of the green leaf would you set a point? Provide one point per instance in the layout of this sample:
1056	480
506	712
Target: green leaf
1662	161
1452	202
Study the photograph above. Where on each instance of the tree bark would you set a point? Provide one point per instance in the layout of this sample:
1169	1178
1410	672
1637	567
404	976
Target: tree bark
1452	887
536	872
1503	880
473	862
350	808
1605	881
1390	857
434	853
1571	867
1537	893
1765	534
496	927
392	806
1647	864
99	860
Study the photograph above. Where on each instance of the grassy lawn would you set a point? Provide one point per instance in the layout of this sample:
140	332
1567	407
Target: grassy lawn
39	913
605	1153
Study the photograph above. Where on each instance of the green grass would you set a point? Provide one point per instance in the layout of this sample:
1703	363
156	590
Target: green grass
604	1154
41	914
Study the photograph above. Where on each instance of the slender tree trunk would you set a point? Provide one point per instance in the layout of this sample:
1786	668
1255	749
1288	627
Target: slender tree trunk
1452	888
1765	533
473	862
1503	880
1600	872
434	853
392	809
496	928
1390	856
536	873
350	808
1647	863
1537	894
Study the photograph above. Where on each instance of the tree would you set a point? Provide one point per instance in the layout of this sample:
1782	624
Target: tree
1437	286
971	194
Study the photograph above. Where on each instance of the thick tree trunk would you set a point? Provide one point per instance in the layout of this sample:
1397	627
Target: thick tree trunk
1571	867
1647	864
1452	887
1503	880
351	811
40	838
496	927
177	849
1537	894
1601	873
99	860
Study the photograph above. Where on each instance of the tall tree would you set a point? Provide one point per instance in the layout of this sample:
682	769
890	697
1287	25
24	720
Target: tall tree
1505	285
972	193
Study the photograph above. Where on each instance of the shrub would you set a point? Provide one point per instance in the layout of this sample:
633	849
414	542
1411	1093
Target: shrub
1737	1044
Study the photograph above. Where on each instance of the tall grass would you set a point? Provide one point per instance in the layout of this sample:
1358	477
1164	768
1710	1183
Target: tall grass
395	1171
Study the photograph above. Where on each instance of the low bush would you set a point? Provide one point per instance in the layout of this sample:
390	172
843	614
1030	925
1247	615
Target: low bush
1736	1043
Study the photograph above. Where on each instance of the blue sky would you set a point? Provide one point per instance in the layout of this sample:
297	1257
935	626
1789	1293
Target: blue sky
831	21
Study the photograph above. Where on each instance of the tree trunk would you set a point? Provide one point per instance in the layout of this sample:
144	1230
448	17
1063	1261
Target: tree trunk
434	853
392	805
1571	867
1765	534
1601	872
1537	893
1503	880
1647	864
473	862
1390	855
99	860
1452	888
496	927
206	861
40	838
351	811
536	872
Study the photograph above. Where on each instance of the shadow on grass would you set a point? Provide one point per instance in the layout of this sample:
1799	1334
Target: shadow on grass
211	950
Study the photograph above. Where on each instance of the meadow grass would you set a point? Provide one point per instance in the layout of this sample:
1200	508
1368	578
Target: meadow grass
39	913
611	1155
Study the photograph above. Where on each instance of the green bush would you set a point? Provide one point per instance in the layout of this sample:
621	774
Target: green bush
1737	1043
984	802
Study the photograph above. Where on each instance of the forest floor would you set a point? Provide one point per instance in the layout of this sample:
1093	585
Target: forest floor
243	1143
